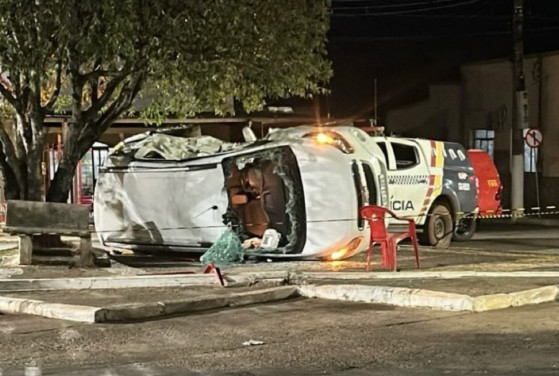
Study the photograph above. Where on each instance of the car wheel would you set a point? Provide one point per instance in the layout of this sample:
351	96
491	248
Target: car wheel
465	229
438	228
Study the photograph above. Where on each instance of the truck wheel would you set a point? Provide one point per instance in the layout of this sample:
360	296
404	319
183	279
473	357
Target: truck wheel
465	229
438	228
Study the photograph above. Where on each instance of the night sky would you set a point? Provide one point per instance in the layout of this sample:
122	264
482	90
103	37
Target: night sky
407	44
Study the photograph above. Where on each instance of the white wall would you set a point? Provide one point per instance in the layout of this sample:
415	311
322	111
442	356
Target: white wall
487	101
550	116
488	89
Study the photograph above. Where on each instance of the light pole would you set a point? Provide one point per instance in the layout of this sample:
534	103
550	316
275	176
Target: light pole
520	111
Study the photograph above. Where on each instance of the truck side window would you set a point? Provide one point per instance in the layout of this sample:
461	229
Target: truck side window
406	155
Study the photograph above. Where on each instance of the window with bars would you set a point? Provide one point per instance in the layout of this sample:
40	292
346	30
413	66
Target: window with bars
484	139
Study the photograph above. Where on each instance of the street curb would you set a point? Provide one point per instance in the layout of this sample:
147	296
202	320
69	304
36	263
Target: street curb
128	312
301	277
197	304
516	299
10	305
396	296
418	298
112	282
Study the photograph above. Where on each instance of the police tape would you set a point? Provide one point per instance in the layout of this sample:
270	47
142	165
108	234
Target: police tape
534	211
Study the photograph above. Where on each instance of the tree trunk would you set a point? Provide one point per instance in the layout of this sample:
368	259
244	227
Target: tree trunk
60	186
59	189
30	138
34	176
11	188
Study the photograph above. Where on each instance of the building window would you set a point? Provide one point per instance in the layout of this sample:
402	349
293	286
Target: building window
530	156
484	139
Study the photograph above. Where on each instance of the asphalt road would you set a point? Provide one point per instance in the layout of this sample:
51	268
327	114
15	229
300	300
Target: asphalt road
301	337
307	337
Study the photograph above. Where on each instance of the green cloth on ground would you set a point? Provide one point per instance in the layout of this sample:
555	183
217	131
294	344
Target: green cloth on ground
226	250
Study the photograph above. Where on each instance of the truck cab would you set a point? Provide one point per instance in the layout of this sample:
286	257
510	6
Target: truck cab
430	181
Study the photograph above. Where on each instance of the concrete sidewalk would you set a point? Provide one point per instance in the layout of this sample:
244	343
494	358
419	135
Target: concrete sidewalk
451	291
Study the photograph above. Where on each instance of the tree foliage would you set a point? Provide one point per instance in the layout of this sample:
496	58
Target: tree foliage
96	58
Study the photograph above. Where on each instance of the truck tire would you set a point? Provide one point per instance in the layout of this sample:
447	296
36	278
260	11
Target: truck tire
438	228
465	229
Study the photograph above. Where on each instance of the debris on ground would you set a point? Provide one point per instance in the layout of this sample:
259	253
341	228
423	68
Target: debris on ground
253	342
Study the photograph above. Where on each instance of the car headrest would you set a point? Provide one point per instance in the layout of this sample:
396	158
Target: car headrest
254	179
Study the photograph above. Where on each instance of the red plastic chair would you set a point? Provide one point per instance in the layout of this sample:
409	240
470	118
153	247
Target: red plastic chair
388	242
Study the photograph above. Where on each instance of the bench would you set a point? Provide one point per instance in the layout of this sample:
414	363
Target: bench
31	218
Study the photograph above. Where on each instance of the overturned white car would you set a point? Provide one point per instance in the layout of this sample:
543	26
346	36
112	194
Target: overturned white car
161	192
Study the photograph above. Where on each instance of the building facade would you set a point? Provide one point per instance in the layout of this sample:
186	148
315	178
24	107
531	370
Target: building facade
477	112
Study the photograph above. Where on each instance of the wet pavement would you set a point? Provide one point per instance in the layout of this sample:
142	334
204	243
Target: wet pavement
306	336
300	337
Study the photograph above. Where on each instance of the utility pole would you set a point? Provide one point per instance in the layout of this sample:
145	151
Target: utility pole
520	111
376	117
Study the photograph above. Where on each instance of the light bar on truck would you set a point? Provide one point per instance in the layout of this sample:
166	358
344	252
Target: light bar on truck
331	138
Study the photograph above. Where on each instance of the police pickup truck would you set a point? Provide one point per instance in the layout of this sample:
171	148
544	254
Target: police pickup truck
432	182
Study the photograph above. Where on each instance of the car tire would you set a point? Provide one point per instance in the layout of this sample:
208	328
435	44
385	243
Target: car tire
438	228
465	229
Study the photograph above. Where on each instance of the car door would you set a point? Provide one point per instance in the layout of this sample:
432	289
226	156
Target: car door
408	177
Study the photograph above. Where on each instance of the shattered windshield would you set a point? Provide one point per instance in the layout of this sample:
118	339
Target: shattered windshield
167	147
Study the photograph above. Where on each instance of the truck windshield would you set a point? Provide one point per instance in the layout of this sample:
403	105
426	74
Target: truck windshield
359	193
382	146
370	180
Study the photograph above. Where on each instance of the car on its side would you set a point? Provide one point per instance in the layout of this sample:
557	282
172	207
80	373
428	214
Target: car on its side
163	193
